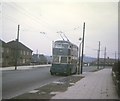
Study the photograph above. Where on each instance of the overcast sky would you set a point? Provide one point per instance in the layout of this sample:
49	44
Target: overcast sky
51	16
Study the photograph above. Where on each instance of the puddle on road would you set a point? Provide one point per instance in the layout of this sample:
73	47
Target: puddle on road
54	93
56	82
33	91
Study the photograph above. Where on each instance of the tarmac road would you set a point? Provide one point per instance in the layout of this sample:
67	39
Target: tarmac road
20	81
17	82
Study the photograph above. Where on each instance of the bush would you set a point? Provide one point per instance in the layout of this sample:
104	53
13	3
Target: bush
116	70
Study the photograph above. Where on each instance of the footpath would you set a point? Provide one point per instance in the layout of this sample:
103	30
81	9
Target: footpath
95	85
24	67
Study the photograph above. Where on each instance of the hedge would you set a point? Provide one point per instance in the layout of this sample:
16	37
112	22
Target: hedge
116	75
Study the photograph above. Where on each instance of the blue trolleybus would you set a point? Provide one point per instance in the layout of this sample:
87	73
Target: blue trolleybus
64	58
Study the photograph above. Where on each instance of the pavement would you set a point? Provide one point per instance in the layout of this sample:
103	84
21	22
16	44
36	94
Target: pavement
95	85
23	67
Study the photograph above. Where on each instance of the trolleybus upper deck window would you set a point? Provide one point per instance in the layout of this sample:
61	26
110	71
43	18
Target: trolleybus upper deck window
58	45
61	45
65	45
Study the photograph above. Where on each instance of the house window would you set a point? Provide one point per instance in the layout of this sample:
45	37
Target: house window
7	50
27	60
21	52
2	49
24	52
1	60
23	61
27	53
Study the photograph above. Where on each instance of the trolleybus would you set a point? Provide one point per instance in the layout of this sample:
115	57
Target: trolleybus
64	58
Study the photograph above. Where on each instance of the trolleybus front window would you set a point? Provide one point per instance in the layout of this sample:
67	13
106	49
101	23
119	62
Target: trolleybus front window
55	59
65	45
63	59
58	45
61	45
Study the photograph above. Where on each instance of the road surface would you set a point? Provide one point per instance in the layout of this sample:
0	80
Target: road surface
16	82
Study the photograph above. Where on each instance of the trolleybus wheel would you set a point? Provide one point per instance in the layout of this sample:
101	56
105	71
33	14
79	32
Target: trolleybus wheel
69	72
75	71
52	73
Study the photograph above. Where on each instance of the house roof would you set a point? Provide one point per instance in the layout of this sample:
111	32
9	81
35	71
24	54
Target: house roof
2	43
13	44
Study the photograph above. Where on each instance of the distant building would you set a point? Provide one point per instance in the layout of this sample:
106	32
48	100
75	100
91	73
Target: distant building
49	59
24	54
39	59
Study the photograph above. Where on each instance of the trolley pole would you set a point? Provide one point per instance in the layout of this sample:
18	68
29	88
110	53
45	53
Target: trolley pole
16	55
82	47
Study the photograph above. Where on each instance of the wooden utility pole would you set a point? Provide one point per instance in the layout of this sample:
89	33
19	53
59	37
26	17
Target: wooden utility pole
16	55
79	59
18	33
105	58
98	56
115	56
82	47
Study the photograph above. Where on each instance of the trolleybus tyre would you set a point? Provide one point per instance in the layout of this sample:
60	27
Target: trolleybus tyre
75	71
51	73
69	72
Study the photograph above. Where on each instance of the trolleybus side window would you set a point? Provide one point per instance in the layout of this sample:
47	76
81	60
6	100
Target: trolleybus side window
74	60
69	59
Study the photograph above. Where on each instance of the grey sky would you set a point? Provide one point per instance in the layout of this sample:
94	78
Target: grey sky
101	19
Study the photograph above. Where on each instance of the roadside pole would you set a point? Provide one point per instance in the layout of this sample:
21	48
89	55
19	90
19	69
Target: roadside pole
82	47
105	58
79	59
98	56
16	51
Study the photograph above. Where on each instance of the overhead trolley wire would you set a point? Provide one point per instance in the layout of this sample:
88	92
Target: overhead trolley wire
36	19
24	13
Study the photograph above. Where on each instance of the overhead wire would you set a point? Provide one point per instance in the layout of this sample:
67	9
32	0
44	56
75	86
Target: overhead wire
10	18
14	19
35	19
21	13
40	21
